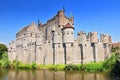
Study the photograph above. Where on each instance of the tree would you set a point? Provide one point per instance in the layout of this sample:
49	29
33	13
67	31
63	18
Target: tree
3	49
116	49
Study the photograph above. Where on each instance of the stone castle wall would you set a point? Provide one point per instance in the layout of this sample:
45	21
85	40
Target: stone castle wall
54	43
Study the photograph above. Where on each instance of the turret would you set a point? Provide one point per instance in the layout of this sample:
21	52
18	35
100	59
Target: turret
81	37
72	20
12	51
60	17
110	40
104	38
93	37
68	33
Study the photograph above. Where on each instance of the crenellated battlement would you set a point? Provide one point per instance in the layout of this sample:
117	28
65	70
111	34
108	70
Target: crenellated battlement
54	43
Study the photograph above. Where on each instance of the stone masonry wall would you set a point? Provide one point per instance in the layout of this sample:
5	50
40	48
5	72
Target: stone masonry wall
54	43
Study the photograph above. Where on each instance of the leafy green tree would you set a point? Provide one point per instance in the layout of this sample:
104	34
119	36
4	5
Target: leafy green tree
3	49
116	49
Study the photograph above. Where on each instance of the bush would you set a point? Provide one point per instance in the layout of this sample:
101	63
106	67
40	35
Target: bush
6	64
34	65
3	49
24	66
93	66
60	67
71	67
110	62
56	67
4	56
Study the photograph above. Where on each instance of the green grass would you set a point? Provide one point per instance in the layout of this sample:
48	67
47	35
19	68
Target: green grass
92	66
106	65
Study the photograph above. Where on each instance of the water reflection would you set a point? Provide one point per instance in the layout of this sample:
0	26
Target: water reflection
50	75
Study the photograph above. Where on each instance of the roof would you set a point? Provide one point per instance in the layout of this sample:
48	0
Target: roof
115	44
68	26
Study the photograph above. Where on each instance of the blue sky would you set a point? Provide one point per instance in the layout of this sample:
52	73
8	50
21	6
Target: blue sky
102	16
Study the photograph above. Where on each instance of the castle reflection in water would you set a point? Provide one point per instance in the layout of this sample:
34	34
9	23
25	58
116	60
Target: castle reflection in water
52	75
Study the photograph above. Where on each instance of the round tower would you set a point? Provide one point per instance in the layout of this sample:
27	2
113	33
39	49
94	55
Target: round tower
68	33
93	37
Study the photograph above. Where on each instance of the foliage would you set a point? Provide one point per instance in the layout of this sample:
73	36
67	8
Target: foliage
106	65
110	62
92	67
3	49
115	71
6	64
115	49
72	67
4	56
69	67
34	65
24	66
56	67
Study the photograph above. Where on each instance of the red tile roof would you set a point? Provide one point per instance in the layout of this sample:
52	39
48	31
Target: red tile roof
116	44
68	26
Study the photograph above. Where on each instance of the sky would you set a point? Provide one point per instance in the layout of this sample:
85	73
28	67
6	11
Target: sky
102	16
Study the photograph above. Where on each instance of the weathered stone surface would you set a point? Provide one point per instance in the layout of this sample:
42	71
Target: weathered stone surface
54	43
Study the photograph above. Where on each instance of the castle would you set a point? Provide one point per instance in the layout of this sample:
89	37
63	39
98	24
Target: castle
54	43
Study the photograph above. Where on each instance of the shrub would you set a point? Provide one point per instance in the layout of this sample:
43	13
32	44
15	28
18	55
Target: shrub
3	49
6	64
34	65
79	66
93	66
71	67
56	67
110	62
60	67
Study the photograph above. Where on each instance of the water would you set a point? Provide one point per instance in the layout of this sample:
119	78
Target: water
50	75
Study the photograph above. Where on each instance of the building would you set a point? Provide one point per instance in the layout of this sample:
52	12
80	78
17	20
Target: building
115	44
54	43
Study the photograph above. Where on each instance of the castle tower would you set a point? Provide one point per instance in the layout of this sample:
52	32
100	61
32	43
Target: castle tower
12	51
94	40
39	48
93	37
82	37
72	20
68	40
60	18
82	43
105	39
58	54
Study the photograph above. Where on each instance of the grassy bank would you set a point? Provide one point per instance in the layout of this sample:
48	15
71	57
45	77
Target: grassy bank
106	65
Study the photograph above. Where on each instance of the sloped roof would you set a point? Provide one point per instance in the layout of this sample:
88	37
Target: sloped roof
68	26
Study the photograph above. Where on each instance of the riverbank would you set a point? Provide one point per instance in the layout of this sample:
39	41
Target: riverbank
106	65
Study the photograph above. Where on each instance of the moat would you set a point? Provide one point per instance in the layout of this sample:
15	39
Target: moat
51	75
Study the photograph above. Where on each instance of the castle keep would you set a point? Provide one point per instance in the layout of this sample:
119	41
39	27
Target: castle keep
54	43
